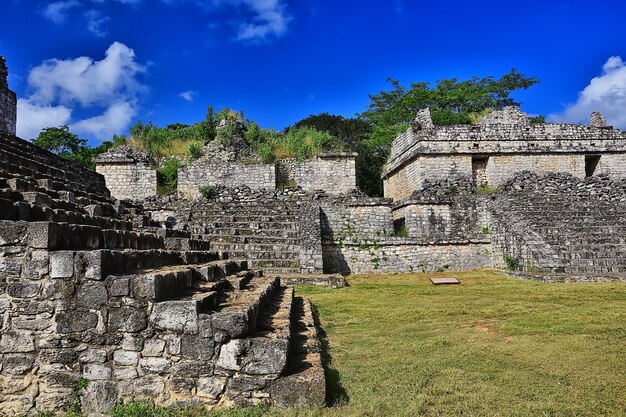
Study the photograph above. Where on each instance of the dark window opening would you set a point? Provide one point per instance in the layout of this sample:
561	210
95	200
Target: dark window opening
479	170
399	227
591	163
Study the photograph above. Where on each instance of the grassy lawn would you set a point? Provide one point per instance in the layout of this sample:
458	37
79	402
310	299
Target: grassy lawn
494	345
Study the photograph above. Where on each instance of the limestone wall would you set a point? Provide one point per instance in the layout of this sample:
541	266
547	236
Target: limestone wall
412	175
502	167
334	173
8	102
396	255
130	180
204	172
613	165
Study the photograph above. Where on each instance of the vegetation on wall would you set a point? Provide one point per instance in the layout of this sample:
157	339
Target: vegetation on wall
390	112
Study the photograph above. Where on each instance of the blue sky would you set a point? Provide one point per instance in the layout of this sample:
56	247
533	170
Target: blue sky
100	65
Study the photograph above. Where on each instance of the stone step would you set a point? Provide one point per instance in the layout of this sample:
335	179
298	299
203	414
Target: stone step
302	384
236	312
216	233
255	247
65	236
251	239
177	243
262	255
253	225
266	350
98	264
177	282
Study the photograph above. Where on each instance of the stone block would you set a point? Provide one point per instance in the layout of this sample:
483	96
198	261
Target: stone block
91	294
23	289
96	372
125	358
98	397
211	387
153	347
233	324
17	363
154	365
128	319
72	321
93	356
61	264
176	316
196	347
119	287
16	341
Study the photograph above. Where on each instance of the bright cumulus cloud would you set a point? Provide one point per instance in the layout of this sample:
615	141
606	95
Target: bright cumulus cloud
57	87
605	93
188	95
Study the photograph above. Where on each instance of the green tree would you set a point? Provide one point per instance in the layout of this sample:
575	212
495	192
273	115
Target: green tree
451	101
59	140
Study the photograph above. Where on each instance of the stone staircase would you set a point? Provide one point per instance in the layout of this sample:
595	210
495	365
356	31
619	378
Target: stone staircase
584	235
93	288
266	234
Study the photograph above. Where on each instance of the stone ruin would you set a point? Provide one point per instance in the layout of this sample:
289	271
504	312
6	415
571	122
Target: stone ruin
187	301
93	288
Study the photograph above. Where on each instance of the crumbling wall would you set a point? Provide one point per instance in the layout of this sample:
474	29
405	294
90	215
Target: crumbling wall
334	173
128	173
212	172
8	102
358	237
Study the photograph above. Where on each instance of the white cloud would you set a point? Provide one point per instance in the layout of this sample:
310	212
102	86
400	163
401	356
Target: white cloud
95	20
57	87
57	11
33	117
86	81
188	95
112	122
605	93
270	20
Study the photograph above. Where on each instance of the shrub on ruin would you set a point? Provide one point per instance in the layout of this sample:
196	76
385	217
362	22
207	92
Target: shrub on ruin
194	151
167	176
207	191
511	263
306	142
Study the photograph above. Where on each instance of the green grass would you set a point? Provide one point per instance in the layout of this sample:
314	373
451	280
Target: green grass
493	346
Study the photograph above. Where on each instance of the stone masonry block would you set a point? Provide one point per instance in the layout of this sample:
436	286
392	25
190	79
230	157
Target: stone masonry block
61	264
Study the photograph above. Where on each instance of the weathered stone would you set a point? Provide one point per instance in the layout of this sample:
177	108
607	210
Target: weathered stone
61	264
93	356
125	358
128	319
234	324
24	289
265	356
176	316
16	341
154	365
153	347
72	321
96	371
17	364
196	347
92	295
98	397
211	387
119	287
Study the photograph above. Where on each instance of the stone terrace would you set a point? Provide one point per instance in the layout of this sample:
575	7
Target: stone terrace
91	287
563	224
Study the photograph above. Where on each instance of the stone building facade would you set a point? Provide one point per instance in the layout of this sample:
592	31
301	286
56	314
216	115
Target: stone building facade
128	173
334	173
503	143
8	101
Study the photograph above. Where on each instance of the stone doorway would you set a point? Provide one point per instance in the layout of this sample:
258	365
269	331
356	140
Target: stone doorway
591	163
479	170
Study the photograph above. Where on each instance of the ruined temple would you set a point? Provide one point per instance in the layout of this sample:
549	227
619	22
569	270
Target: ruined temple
186	299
